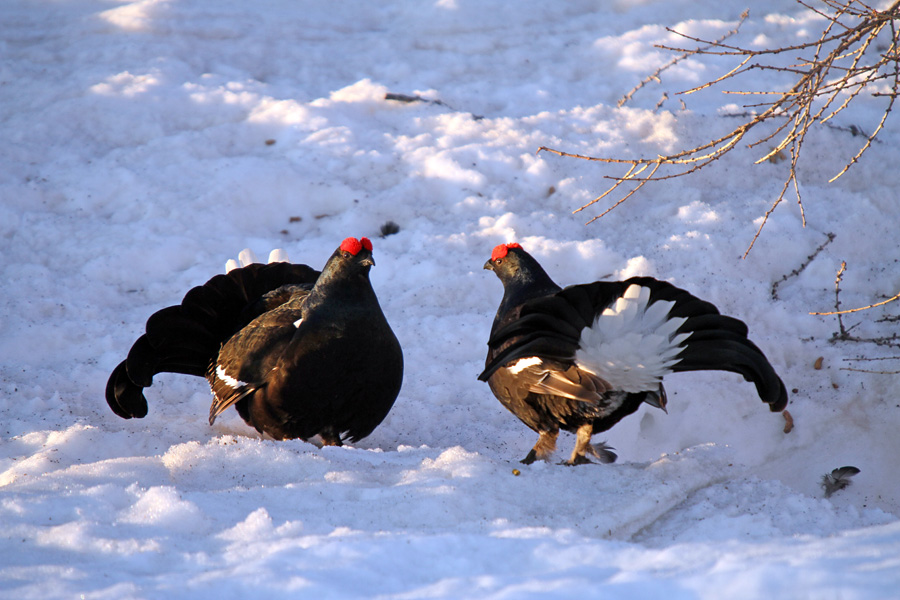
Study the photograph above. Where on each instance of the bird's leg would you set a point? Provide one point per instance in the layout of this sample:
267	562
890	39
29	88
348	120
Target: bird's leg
545	446
582	446
330	437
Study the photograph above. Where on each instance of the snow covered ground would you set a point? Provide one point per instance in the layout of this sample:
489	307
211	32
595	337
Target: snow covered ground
147	142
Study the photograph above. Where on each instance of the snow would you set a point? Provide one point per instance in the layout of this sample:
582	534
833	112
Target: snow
147	143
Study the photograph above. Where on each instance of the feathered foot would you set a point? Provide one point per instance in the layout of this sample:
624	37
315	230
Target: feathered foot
330	437
603	452
545	446
583	446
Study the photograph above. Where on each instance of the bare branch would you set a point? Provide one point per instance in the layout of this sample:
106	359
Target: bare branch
840	64
655	75
843	333
829	238
853	310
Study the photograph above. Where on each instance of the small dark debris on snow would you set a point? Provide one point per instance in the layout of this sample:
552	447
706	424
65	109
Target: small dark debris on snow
838	480
270	142
295	219
408	99
389	228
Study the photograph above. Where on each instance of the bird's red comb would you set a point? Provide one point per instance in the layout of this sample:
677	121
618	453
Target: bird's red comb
501	250
353	245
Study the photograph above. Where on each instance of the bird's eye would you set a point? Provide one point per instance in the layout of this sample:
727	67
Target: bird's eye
498	261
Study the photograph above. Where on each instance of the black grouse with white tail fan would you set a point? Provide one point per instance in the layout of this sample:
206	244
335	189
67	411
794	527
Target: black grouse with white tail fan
297	352
584	357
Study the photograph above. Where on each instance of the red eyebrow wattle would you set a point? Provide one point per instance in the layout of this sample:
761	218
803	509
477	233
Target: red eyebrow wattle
501	250
352	245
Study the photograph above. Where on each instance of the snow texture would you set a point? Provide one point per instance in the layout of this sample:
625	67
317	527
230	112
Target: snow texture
147	142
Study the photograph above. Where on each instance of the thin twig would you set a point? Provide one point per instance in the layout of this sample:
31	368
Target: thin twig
853	310
843	335
837	297
655	75
802	267
838	66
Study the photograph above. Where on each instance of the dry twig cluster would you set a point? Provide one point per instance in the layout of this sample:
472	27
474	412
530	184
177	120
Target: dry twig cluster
830	73
843	333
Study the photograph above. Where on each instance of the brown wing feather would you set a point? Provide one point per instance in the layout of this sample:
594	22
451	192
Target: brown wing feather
557	379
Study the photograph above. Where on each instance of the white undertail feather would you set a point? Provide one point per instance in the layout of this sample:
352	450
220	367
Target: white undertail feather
632	345
278	255
247	257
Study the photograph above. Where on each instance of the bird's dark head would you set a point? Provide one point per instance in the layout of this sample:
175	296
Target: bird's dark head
358	251
352	258
506	260
346	274
517	270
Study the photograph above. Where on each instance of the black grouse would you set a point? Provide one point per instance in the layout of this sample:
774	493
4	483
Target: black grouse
297	352
584	357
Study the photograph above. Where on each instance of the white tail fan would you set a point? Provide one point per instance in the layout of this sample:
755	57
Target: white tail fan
278	255
631	344
247	257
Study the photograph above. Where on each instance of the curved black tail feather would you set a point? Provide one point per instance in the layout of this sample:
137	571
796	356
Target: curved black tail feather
185	338
740	356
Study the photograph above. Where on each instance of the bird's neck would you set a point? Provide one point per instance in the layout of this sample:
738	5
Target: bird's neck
525	285
343	288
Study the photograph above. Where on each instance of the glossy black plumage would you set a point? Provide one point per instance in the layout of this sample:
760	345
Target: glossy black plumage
549	363
297	352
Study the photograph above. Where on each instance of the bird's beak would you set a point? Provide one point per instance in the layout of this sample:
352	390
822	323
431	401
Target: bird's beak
368	262
489	265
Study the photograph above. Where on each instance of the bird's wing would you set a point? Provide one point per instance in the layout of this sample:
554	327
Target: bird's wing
252	355
226	393
185	338
549	377
546	327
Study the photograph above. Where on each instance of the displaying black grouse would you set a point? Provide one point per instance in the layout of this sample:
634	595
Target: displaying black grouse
584	357
297	352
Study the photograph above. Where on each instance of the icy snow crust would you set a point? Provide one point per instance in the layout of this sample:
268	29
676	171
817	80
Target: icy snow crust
147	143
